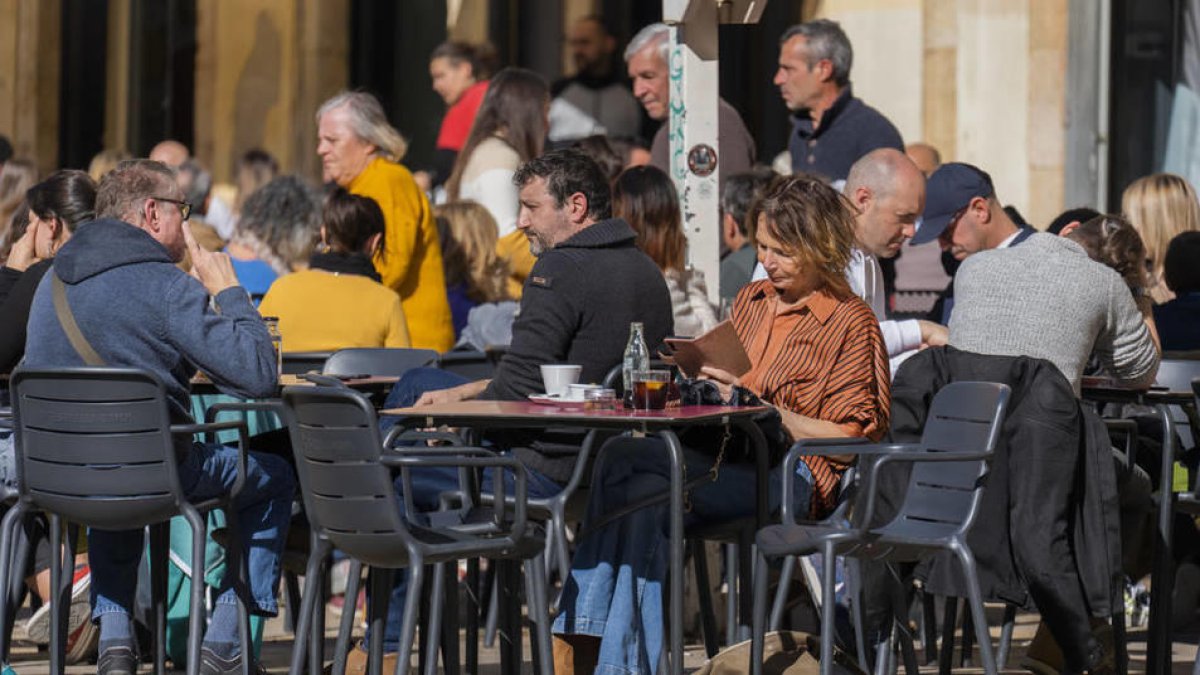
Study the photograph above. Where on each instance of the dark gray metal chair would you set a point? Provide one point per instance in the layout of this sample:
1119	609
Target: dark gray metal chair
469	363
295	363
378	361
346	478
96	447
940	504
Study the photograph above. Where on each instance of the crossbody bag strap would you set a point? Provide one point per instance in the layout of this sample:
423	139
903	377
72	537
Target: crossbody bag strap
63	309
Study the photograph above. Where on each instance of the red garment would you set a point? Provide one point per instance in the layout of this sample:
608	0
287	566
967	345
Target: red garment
456	125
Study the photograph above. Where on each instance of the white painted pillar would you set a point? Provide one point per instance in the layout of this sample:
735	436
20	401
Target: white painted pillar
694	146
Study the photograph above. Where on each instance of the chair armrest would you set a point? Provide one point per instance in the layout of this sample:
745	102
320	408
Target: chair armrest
826	447
323	380
242	445
1130	429
916	457
398	434
446	458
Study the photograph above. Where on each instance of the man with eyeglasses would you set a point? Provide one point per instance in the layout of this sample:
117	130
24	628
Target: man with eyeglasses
127	304
963	214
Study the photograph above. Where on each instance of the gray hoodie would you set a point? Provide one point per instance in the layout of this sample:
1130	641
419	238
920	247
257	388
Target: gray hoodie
137	309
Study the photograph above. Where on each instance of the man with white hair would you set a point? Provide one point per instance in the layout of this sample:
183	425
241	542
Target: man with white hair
832	128
646	57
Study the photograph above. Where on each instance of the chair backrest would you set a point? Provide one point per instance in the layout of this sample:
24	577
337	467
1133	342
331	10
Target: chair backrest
1177	375
469	363
964	417
378	361
348	494
95	446
295	363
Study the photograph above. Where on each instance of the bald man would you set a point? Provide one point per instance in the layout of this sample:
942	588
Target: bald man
887	191
925	156
172	153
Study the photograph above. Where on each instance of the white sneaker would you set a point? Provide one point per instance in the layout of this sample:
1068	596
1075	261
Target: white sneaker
37	629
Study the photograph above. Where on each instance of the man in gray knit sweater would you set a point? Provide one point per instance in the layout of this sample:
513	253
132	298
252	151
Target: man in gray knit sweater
1047	299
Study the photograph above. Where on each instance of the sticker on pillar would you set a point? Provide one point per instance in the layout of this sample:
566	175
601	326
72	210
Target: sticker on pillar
702	160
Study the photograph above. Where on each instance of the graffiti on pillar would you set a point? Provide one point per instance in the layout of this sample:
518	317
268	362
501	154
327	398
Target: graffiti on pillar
678	113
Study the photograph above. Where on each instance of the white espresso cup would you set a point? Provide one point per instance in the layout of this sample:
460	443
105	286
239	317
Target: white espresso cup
557	378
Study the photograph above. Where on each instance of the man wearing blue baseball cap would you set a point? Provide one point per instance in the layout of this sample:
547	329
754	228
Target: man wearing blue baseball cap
964	216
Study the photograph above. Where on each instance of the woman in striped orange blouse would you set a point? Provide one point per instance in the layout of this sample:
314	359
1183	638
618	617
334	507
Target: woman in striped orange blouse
818	358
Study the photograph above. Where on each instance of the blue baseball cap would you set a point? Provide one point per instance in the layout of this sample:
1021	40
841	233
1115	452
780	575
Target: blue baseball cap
947	192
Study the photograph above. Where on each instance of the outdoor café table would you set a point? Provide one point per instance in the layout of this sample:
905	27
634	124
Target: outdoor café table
263	415
491	415
1103	390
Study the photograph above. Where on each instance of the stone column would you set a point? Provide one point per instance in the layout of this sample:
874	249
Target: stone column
30	39
262	69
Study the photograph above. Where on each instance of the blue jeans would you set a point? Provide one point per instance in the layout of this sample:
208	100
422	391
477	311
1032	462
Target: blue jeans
264	508
615	588
429	484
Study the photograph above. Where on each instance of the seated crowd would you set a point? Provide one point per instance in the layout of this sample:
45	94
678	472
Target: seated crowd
552	254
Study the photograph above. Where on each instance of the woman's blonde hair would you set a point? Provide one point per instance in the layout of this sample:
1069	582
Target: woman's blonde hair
369	123
469	250
105	161
1160	206
813	223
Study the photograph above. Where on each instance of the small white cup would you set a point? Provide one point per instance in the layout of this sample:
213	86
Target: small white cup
557	378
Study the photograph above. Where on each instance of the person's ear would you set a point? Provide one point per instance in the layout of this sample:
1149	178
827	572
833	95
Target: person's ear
861	199
824	69
373	243
1069	228
577	207
981	209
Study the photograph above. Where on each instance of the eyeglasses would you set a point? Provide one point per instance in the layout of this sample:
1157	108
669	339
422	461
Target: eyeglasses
185	208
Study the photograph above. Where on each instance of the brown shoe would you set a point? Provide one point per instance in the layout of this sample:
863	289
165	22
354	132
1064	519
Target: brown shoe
575	654
356	661
1043	656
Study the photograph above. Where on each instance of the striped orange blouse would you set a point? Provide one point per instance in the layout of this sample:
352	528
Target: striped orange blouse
823	359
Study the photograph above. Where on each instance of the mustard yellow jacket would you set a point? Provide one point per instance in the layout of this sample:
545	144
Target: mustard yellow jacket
411	261
321	311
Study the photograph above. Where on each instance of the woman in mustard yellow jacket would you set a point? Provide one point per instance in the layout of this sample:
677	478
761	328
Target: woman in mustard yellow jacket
360	151
338	301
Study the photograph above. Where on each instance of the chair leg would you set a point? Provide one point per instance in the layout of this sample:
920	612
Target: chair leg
745	599
433	627
758	623
451	663
781	593
1006	631
854	593
509	614
493	611
57	639
160	546
308	605
316	648
708	620
291	591
346	628
1119	637
731	579
828	608
379	588
471	657
196	609
929	623
8	570
967	649
949	620
408	627
538	607
978	618
236	555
